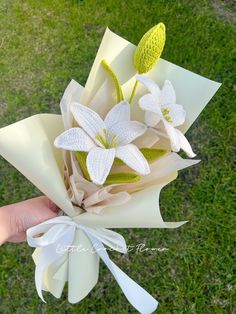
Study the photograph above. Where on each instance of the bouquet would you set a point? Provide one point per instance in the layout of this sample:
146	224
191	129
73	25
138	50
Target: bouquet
105	159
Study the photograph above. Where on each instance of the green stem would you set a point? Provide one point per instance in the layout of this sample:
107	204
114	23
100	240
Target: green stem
133	92
119	93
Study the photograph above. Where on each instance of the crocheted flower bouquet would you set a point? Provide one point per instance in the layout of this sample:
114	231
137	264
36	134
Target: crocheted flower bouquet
105	159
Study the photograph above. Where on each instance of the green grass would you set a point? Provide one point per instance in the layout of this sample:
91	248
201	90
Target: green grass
43	44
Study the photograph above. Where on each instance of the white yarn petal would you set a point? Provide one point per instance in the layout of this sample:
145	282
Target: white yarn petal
167	96
120	112
126	131
176	113
151	118
152	109
88	119
132	157
74	139
99	162
148	102
150	84
173	136
184	144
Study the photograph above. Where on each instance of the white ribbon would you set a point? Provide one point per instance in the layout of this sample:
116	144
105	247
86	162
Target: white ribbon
61	231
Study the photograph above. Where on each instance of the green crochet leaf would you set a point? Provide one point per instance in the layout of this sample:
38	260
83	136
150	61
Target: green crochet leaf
116	82
122	177
81	157
118	162
113	178
151	154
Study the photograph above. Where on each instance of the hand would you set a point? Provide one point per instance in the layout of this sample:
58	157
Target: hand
15	219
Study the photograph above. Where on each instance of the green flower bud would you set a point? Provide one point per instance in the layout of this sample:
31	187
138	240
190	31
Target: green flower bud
149	48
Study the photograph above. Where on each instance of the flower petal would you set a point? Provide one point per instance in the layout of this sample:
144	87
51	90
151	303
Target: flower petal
184	144
126	131
133	158
150	84
148	102
88	119
152	109
151	118
99	162
74	139
119	113
173	136
167	96
176	113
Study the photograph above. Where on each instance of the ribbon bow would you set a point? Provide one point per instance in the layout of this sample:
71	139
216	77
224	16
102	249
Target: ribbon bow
61	231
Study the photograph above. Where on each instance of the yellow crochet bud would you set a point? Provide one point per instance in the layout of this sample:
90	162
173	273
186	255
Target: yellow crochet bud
149	48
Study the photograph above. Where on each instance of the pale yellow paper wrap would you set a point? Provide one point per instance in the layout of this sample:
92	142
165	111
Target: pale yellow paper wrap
28	146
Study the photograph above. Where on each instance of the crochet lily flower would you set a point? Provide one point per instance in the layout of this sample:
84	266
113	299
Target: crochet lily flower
160	105
105	140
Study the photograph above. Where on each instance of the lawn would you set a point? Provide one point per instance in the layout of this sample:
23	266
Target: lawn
43	44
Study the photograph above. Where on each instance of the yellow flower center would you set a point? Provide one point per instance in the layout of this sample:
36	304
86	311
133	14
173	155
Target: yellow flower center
165	113
105	140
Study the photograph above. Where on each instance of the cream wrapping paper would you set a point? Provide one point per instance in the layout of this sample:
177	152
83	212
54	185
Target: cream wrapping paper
28	146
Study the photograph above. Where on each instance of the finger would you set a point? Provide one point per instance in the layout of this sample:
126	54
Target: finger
53	206
20	237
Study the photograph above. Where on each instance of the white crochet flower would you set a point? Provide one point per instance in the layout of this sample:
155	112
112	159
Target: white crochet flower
105	140
160	105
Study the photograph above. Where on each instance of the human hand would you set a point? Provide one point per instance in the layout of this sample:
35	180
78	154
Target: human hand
16	218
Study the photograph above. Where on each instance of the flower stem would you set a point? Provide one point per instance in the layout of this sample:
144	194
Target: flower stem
119	94
133	91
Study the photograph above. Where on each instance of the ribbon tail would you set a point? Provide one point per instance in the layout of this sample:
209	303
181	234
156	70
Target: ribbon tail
138	297
48	255
108	237
45	260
